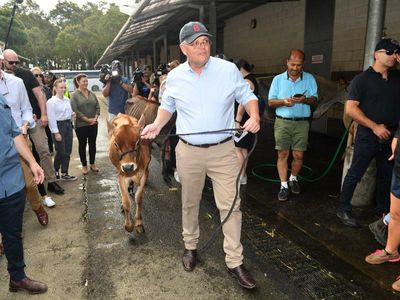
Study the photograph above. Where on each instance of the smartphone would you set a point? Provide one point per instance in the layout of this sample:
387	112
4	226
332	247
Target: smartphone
239	135
297	95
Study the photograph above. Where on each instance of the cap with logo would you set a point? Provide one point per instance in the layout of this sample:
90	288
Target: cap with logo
191	31
387	44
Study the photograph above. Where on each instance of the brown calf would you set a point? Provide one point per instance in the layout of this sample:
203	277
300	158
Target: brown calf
131	157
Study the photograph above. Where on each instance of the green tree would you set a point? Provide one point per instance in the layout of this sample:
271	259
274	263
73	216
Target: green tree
66	13
18	37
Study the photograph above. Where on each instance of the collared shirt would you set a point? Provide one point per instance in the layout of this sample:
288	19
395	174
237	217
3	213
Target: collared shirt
379	98
58	110
283	87
11	176
117	97
205	102
84	107
13	89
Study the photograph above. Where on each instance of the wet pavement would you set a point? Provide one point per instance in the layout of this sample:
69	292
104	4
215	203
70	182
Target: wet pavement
309	220
148	266
295	250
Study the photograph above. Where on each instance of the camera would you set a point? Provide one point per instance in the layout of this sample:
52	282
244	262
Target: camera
104	70
114	71
162	69
137	76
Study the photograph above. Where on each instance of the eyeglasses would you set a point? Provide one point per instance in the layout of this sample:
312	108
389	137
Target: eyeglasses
12	62
388	52
3	87
198	44
39	75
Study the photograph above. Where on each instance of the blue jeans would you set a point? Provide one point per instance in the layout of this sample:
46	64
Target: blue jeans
366	147
11	212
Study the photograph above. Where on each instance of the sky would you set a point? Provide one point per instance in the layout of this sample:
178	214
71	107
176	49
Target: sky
47	5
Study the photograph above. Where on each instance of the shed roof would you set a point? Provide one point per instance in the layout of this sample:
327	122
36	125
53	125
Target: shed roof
153	18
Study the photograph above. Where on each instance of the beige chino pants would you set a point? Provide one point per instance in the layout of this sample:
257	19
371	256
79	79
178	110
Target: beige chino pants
221	164
32	193
39	138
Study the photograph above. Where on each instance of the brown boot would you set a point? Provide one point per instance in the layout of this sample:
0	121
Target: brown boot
42	216
29	285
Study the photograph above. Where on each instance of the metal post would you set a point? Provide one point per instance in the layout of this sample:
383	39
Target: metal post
154	54
201	14
213	27
375	22
11	22
165	48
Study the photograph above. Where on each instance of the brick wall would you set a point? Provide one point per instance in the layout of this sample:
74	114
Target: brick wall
280	27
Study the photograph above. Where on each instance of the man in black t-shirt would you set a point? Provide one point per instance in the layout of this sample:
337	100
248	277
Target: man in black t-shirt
374	103
38	102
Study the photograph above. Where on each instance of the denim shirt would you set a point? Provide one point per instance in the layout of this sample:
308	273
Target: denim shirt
11	176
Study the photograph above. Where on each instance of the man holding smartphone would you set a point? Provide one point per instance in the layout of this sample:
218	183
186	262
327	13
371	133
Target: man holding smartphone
292	93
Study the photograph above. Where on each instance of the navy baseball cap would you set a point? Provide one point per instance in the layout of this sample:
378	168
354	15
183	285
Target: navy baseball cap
387	44
191	31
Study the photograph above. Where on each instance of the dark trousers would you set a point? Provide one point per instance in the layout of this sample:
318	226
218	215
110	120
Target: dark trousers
87	134
367	147
11	212
41	188
63	148
49	139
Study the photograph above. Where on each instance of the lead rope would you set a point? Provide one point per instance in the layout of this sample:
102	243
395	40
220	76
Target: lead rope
211	240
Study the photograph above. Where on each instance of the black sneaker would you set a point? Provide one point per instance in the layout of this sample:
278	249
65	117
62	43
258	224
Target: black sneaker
57	174
54	187
68	177
380	231
283	194
294	187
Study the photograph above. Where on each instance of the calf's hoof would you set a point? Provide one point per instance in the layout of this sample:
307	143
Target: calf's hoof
129	228
139	228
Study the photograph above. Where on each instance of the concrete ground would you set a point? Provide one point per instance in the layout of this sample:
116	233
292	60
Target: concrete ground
84	252
295	250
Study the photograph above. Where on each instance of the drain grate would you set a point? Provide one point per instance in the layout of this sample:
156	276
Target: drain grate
314	280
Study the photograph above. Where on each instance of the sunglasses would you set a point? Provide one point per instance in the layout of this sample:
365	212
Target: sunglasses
12	62
388	52
39	75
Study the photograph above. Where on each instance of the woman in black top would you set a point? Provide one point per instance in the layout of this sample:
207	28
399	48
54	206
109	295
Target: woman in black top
244	145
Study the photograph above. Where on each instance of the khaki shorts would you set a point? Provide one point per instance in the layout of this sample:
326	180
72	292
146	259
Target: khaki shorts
291	134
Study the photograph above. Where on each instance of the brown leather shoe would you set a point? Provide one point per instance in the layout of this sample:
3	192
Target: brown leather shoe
42	216
29	285
189	260
243	277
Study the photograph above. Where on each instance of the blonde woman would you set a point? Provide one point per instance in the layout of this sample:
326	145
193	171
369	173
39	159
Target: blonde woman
60	116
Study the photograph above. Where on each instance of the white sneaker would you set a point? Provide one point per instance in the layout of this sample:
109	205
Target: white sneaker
243	179
176	176
47	201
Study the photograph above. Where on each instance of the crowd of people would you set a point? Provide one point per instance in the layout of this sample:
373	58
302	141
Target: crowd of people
40	117
38	120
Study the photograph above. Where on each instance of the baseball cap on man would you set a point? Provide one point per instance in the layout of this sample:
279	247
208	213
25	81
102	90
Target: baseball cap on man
387	44
191	31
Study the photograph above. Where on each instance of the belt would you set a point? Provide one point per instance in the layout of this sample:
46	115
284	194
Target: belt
293	119
207	145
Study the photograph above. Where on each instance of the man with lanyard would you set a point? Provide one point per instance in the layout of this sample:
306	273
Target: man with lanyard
12	199
202	91
374	103
37	133
117	89
292	93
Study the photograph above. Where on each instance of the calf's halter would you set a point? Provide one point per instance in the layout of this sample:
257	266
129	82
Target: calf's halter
122	154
